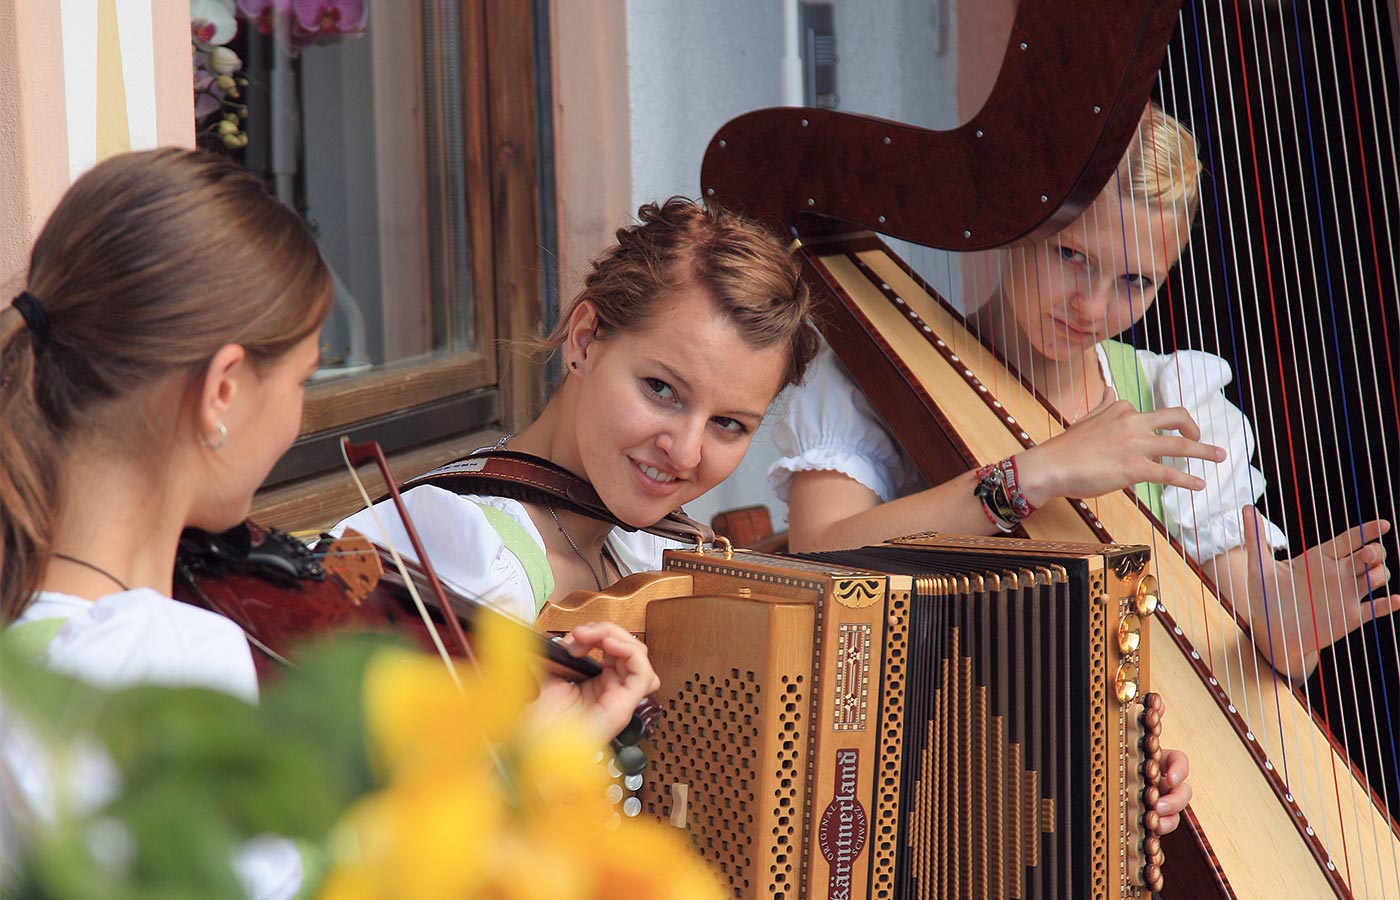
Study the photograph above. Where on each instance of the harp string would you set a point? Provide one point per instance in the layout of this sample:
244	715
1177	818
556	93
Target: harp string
1386	711
1388	470
1350	456
1272	323
1346	648
1228	293
1189	603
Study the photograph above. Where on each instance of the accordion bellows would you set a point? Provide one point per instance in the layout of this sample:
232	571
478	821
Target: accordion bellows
939	717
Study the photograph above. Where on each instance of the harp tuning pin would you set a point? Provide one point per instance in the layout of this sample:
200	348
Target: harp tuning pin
1151	770
1152	874
1151	821
1152	744
1152	848
1150	795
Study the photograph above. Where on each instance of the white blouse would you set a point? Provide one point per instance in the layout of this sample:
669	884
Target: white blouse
136	637
829	425
470	555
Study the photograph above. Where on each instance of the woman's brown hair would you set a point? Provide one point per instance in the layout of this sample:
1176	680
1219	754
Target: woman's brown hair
750	276
151	262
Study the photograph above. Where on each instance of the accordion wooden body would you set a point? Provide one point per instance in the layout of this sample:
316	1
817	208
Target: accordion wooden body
939	717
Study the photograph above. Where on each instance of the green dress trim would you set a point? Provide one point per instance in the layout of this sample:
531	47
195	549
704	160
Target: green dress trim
531	555
1130	379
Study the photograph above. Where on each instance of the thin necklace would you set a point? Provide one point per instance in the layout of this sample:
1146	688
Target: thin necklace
98	569
602	560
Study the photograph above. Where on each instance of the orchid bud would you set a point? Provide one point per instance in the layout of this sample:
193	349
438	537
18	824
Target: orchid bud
224	61
228	86
228	127
231	141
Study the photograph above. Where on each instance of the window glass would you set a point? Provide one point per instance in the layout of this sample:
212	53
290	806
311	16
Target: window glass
354	119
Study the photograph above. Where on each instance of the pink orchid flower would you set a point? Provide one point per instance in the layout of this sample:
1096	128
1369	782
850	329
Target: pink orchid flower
263	13
331	18
211	22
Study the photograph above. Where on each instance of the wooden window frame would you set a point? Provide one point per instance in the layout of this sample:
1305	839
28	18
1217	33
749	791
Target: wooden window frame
492	388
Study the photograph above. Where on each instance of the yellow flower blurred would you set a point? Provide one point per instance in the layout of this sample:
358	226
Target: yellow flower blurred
484	801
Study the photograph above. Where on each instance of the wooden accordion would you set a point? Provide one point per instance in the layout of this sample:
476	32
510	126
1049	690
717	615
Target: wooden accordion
935	717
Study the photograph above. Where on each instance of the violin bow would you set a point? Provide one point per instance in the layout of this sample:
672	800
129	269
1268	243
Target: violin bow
370	451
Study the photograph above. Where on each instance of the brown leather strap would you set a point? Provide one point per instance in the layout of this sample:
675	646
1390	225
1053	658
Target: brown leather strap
531	479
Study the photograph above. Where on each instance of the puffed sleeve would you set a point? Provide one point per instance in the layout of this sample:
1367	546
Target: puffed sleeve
142	637
640	551
1208	522
829	425
467	552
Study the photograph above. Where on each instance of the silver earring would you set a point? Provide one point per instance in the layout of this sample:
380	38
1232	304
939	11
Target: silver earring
215	445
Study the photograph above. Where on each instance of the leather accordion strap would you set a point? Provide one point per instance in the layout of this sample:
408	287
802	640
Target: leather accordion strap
531	479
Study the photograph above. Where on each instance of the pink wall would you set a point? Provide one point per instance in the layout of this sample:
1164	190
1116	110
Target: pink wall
34	140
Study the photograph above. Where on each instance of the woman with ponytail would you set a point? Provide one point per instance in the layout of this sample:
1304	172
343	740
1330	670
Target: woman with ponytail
152	372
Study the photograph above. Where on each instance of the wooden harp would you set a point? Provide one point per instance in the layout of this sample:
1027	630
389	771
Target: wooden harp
1283	807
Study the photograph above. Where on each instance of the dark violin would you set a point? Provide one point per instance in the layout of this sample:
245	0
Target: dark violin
281	592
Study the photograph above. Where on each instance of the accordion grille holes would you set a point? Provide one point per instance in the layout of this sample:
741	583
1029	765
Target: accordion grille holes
784	850
710	739
1098	728
886	826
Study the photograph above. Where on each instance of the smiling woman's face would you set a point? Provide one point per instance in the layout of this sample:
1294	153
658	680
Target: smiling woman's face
665	412
1094	279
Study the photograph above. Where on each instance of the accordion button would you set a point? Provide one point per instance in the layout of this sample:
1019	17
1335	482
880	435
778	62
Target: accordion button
1146	598
1125	683
1129	633
631	760
634	732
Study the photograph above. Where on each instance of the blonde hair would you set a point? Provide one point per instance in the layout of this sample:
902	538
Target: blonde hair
1161	167
749	274
149	264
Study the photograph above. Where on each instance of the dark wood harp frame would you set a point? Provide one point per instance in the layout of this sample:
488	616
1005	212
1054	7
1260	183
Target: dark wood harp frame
830	179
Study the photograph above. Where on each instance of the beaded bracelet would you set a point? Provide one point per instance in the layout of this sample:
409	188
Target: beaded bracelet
998	487
1012	478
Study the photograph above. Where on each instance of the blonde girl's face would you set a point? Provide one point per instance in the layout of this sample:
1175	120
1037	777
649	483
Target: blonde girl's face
1093	280
665	412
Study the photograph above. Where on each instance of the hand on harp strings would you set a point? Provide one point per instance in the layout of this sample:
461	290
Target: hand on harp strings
1299	606
1114	447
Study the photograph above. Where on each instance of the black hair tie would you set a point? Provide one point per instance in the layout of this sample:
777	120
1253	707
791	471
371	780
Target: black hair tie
32	313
